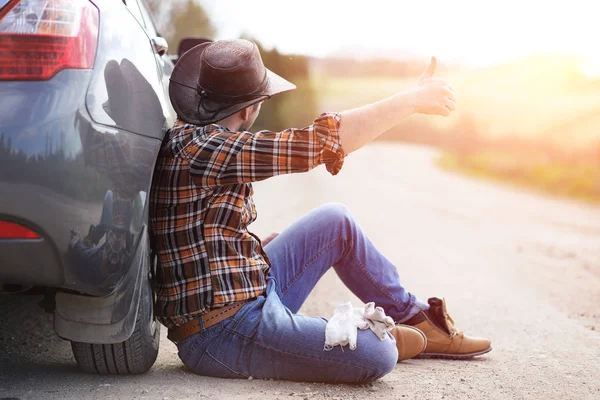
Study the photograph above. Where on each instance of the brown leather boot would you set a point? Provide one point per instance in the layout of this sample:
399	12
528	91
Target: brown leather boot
409	341
443	339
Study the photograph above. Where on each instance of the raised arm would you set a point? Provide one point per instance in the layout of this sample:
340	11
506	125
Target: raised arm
363	124
223	157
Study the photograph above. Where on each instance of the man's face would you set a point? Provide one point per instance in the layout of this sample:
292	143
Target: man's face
254	111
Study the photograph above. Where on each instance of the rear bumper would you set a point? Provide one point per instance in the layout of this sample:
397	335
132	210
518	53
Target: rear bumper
50	215
76	249
54	217
30	262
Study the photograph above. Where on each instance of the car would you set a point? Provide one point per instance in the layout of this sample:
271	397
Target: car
85	106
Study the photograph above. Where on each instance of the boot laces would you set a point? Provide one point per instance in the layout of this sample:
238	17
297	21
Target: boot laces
451	327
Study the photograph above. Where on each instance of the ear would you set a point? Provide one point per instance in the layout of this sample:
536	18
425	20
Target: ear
245	113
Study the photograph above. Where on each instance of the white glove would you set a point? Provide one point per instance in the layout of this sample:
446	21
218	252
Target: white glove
379	323
341	329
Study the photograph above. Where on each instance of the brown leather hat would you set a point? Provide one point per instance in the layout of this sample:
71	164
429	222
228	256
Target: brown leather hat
214	80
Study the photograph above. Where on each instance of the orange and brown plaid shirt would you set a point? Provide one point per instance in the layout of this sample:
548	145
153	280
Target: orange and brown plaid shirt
201	205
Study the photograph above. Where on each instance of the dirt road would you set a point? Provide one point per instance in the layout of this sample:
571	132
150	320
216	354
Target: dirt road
519	268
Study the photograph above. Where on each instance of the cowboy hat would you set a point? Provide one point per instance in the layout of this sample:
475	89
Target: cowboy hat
214	80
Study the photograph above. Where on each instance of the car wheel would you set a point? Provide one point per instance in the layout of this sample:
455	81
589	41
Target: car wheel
135	355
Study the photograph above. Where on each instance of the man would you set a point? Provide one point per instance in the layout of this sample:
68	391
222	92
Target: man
230	304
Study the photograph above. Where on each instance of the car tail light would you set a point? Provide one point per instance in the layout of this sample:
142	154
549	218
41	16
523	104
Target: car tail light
39	38
10	230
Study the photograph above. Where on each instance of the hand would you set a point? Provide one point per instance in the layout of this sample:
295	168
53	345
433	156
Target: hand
433	96
268	239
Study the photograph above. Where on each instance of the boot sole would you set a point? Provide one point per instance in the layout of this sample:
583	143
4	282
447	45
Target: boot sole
447	356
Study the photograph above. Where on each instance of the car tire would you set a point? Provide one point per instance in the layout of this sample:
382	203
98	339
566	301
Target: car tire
135	355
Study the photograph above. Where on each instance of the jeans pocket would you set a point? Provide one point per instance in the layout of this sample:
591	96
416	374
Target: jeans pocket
210	366
190	350
186	350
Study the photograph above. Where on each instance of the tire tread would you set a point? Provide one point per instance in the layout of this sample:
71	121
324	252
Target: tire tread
135	355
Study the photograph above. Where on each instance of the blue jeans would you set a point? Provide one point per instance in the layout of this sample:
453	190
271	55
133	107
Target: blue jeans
266	339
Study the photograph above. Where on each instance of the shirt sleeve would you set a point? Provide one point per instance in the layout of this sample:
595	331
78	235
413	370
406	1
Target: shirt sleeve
224	157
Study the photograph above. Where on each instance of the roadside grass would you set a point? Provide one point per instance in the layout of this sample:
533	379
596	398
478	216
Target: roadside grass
577	179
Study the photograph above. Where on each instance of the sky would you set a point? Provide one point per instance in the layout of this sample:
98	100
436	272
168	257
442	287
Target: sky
472	32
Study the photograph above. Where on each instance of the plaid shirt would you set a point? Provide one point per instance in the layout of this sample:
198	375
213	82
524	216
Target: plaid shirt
201	206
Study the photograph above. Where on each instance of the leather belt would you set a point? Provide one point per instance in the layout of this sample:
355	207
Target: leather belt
209	319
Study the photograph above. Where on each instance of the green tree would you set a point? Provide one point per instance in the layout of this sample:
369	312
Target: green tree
179	19
295	109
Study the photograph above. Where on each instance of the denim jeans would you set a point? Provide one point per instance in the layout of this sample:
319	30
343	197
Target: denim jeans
267	339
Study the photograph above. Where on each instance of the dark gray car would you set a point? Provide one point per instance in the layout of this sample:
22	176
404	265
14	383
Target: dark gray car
84	107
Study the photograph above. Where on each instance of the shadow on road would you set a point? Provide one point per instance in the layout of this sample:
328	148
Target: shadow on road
28	344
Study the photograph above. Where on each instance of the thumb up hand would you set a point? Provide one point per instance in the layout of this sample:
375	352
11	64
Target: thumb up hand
428	74
433	96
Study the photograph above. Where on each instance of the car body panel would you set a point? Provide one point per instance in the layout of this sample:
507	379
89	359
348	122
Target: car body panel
126	89
77	153
44	183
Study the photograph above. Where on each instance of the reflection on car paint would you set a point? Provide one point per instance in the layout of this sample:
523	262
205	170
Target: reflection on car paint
133	49
102	256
